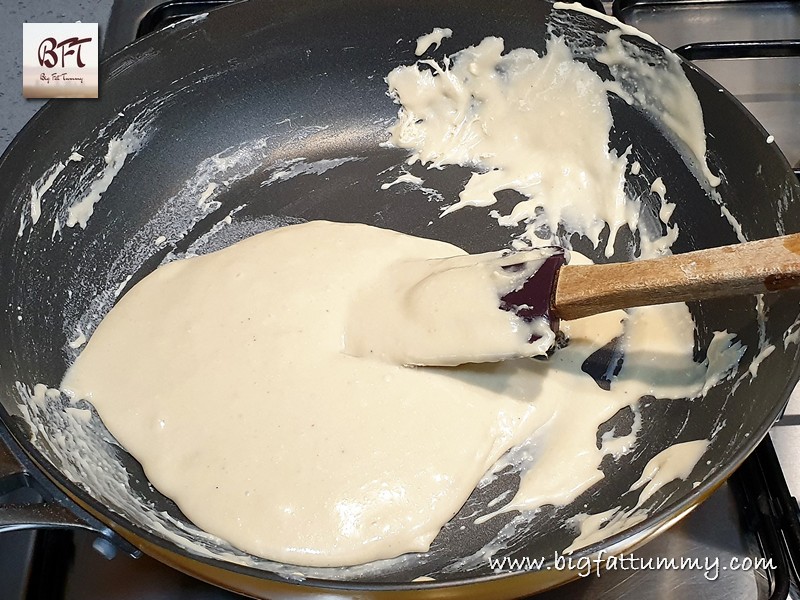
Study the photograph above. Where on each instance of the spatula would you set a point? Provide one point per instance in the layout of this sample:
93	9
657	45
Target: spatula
544	290
750	268
559	291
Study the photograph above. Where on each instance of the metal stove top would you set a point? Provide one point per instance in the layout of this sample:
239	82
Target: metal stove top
752	516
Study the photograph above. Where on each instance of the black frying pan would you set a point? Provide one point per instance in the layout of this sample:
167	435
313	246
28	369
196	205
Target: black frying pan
258	85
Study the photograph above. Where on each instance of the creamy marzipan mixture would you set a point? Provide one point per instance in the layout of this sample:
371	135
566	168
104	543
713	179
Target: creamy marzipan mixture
243	408
445	312
242	383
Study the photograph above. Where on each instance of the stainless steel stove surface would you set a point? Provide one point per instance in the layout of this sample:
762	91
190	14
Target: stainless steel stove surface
753	516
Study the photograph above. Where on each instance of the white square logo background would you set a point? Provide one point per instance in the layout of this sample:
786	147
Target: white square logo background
59	60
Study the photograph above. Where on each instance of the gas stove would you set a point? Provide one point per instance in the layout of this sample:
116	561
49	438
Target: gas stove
751	48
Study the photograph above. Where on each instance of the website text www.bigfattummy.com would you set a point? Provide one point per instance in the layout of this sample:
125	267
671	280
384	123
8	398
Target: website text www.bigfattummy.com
711	566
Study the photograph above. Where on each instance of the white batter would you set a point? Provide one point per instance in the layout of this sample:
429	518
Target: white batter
434	38
536	124
224	375
445	312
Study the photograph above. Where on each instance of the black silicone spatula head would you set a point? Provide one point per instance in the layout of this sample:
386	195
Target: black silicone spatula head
536	297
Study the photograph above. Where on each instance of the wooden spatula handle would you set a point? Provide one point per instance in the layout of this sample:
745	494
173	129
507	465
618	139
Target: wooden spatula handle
749	268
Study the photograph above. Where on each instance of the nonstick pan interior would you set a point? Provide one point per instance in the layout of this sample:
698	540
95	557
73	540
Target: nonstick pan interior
283	107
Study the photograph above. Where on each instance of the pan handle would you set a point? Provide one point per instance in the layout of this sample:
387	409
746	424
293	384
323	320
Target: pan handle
45	507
